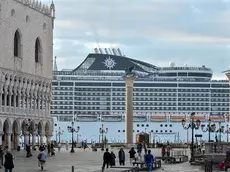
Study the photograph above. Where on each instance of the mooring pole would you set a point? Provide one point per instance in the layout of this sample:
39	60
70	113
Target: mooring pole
72	168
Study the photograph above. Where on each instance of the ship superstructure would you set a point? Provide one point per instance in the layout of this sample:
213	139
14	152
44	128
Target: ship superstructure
94	93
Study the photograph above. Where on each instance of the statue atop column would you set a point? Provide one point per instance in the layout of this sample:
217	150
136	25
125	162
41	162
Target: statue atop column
129	72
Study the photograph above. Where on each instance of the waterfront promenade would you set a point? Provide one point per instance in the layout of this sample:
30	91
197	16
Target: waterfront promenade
83	161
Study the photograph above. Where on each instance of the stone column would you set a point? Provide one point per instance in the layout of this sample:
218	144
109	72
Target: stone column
42	138
17	139
9	140
48	138
129	78
34	135
1	134
26	138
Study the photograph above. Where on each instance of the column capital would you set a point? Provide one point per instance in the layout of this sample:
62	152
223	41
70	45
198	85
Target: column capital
8	134
1	133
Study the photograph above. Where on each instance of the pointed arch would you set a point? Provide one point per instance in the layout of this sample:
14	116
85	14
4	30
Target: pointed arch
38	50
17	43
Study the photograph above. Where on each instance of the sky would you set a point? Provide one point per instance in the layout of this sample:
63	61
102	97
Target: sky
192	32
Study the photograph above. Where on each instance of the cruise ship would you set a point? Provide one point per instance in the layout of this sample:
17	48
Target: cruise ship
93	94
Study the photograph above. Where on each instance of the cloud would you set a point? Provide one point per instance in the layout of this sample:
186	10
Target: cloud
157	31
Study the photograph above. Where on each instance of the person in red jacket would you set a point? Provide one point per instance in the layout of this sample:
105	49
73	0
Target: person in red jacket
163	151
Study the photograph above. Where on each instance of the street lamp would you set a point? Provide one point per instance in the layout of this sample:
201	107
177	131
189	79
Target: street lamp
59	133
209	128
193	125
102	131
72	130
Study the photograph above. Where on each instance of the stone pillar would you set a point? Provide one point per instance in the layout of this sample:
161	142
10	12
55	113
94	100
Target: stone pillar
34	135
48	138
1	134
17	139
26	138
129	78
42	138
9	140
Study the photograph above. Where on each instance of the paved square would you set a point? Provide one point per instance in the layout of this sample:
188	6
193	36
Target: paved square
83	161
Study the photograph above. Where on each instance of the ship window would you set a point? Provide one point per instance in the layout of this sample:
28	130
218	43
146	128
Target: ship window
142	125
138	131
166	131
123	130
170	125
156	131
138	125
87	63
152	131
166	125
161	131
147	125
170	131
161	125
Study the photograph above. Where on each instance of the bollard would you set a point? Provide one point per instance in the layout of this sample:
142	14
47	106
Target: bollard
72	168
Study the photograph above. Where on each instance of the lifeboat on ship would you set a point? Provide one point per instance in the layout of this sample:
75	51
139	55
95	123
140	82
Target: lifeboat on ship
87	118
158	117
217	118
139	118
177	118
199	117
111	118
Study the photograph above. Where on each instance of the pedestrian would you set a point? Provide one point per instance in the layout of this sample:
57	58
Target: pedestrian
42	147
113	159
41	159
28	151
52	149
139	149
163	151
59	147
106	159
149	161
1	156
132	153
48	149
9	165
121	156
168	149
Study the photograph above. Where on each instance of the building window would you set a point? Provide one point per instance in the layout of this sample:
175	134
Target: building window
17	44
37	51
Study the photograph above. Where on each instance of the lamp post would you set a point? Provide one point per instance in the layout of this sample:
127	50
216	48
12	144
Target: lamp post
193	125
102	132
209	128
72	130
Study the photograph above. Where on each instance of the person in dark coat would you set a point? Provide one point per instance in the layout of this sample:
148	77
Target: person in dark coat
106	159
1	156
28	151
113	159
42	147
121	156
9	165
132	153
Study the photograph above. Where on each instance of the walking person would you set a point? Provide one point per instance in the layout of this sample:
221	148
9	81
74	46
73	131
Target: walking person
132	153
139	150
106	159
168	149
28	151
121	156
113	159
1	156
9	165
149	161
41	159
163	151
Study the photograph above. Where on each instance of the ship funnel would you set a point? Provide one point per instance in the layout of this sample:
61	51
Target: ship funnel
119	51
110	51
106	51
114	51
96	51
100	50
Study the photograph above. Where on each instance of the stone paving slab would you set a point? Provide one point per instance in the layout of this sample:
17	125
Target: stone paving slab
84	161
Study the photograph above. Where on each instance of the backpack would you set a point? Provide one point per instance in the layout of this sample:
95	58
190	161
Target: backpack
39	156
